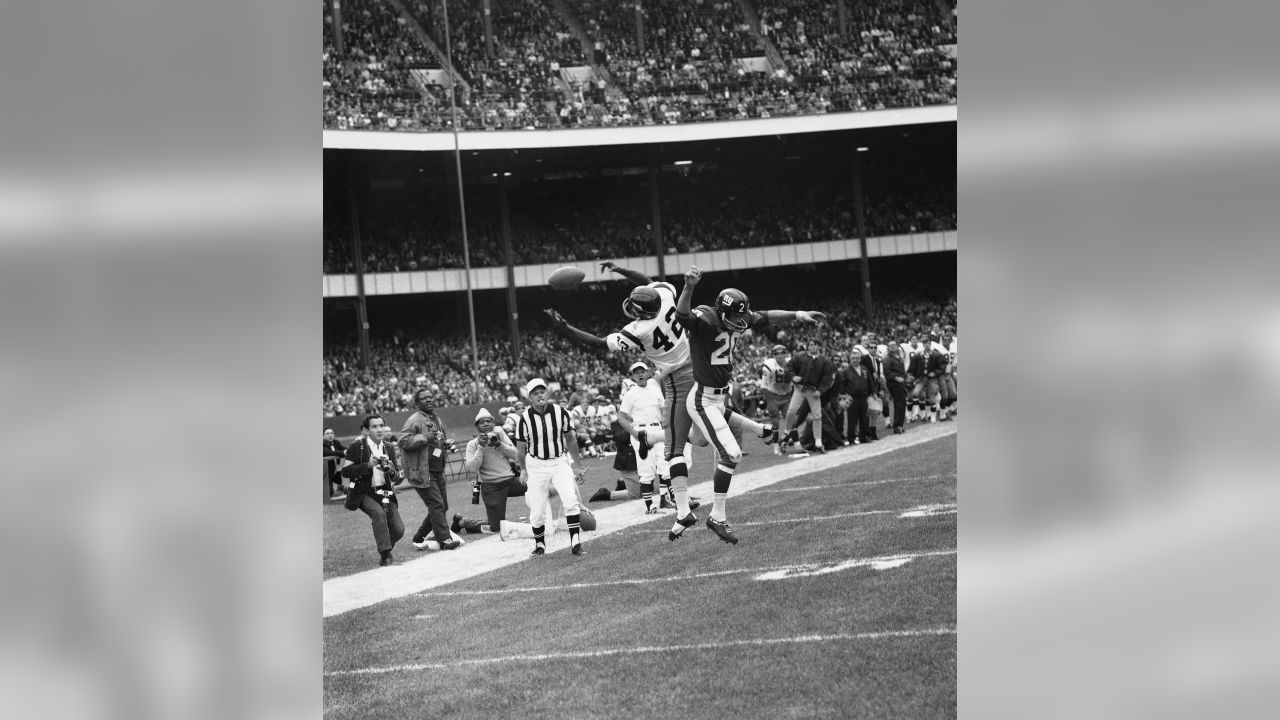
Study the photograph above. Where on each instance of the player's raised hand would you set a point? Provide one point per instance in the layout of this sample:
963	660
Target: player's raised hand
811	316
693	276
607	265
556	318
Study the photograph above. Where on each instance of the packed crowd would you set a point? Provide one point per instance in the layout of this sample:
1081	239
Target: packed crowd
590	219
388	383
690	68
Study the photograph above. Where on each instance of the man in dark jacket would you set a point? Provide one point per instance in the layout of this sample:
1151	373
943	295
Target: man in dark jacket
373	473
858	383
895	375
425	446
812	374
333	449
831	438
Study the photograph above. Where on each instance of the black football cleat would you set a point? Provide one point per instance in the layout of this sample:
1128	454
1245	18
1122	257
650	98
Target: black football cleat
387	560
685	522
722	529
456	526
601	494
538	550
450	545
577	550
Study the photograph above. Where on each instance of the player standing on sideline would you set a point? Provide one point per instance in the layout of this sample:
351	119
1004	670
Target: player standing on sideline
544	436
654	331
713	332
775	384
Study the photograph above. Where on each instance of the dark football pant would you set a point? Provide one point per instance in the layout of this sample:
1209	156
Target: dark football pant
899	394
436	520
494	497
388	528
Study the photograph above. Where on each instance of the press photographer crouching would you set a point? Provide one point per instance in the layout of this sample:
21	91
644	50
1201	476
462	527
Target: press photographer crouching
492	454
373	473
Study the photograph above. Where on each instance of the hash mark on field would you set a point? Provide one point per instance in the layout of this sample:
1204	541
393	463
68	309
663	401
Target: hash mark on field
837	486
757	642
930	511
811	567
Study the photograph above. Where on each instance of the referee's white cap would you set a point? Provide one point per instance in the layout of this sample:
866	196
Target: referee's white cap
534	384
637	365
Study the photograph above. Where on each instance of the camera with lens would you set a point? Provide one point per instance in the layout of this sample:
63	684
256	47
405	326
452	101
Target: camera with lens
492	440
388	470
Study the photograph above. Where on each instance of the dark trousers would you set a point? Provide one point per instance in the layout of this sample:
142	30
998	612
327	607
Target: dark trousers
494	497
859	420
436	521
388	528
899	394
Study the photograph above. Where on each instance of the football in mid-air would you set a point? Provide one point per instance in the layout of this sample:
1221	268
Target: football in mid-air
566	278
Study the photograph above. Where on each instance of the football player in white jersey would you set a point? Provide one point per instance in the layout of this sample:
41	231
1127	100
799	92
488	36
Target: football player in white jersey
775	385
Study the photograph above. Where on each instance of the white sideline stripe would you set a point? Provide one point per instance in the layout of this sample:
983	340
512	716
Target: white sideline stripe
804	567
351	592
837	486
860	513
911	512
757	642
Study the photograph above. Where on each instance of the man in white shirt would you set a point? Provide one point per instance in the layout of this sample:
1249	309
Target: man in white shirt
641	416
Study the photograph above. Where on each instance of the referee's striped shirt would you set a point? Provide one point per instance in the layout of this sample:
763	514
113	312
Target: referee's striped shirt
544	431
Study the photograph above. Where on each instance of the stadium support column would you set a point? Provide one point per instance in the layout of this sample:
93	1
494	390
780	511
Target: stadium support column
842	9
488	29
639	28
336	8
353	213
862	233
655	207
513	310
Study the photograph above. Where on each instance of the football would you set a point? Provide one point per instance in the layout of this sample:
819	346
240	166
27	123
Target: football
566	278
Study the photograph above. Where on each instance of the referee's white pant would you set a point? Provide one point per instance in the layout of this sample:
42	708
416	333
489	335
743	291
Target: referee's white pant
543	475
655	464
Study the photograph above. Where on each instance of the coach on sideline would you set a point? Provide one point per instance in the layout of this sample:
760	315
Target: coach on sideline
545	434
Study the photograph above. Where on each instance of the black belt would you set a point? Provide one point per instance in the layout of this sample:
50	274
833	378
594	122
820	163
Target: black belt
715	391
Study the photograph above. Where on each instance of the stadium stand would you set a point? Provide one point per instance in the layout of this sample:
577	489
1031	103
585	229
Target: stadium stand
704	60
590	218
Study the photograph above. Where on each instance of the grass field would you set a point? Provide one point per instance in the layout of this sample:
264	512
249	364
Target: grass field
838	602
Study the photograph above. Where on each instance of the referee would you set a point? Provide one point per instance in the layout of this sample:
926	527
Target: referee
544	434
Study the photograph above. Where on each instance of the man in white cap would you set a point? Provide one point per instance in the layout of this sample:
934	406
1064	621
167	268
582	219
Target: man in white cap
548	450
490	454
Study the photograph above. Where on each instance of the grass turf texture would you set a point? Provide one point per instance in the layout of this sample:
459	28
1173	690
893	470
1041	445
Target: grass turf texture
848	675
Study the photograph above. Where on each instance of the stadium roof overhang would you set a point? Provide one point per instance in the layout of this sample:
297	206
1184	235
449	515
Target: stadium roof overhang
644	135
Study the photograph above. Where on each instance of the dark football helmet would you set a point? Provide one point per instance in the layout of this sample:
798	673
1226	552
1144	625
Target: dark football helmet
734	309
642	304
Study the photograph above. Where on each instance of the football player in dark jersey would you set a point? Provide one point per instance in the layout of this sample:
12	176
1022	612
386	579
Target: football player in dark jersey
713	332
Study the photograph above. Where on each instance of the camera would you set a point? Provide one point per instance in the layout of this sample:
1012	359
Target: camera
492	440
388	470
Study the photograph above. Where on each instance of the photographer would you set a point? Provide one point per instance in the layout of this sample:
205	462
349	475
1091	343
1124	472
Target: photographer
426	449
491	454
373	472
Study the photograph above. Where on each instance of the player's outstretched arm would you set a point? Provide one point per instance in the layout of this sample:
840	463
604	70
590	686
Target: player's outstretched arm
638	278
803	316
582	337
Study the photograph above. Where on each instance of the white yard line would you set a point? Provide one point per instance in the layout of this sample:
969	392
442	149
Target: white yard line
863	483
486	553
787	571
586	654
